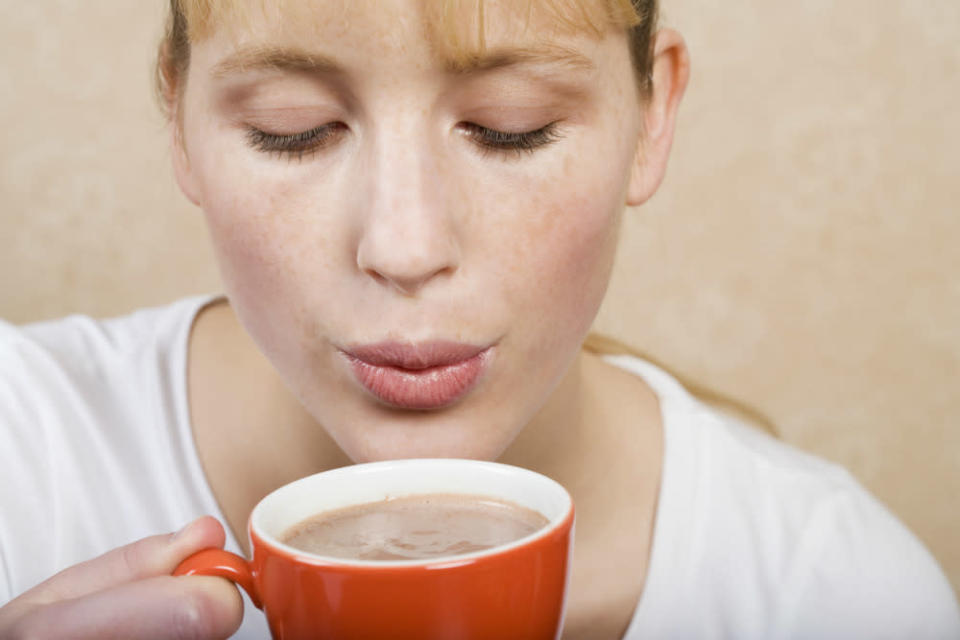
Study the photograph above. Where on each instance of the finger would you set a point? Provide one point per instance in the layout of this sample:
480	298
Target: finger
153	556
160	608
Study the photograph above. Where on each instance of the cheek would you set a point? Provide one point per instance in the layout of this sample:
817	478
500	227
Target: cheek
262	224
251	238
276	252
561	255
572	268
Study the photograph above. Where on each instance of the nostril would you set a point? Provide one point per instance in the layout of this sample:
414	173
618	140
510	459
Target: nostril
406	267
379	279
407	284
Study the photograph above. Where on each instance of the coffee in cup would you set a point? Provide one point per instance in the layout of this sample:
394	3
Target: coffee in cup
415	527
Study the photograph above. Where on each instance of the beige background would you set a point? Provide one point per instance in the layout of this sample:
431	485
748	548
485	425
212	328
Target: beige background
802	255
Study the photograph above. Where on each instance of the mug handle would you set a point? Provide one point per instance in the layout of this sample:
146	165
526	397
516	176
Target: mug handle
223	564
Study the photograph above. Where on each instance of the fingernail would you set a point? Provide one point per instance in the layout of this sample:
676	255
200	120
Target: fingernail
183	531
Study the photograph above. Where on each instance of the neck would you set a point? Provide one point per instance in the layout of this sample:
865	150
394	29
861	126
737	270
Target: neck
550	443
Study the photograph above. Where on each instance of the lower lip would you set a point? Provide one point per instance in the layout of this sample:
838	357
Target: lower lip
423	389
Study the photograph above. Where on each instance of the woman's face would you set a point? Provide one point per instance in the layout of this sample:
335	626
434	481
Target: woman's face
418	245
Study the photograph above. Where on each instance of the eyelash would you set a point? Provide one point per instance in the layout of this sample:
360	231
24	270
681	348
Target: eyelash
494	141
295	145
298	145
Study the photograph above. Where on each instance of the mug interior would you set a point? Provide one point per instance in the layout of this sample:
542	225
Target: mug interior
378	481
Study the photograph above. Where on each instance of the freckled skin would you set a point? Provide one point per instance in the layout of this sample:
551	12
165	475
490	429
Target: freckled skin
405	229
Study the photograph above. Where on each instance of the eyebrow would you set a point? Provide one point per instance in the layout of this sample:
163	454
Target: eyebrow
275	58
292	59
545	54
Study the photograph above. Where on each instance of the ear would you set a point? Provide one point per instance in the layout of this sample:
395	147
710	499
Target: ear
671	70
181	161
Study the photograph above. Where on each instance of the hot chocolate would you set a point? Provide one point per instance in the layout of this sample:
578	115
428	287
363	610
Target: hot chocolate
414	528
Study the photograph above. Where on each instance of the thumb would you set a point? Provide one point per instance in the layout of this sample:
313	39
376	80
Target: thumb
153	556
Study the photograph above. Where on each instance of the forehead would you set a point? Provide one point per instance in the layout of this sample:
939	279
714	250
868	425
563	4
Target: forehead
458	31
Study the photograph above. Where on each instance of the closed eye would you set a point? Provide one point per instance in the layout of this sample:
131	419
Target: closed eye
493	140
296	144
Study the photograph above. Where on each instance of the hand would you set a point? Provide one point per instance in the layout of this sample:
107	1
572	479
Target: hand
129	593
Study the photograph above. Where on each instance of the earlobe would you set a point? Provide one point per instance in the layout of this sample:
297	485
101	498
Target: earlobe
671	71
181	163
645	176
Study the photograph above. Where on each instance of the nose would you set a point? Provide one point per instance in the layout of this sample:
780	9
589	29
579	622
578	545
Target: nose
408	237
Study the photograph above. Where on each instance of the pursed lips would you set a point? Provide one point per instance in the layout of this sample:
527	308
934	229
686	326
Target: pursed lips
418	376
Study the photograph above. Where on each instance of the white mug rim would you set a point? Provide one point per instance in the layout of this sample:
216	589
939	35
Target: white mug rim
520	474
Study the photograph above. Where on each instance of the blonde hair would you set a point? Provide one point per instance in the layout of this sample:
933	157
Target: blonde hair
191	21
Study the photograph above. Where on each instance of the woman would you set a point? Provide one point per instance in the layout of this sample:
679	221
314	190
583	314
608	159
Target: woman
415	208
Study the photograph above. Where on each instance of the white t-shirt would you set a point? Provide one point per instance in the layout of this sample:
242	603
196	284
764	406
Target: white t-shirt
753	539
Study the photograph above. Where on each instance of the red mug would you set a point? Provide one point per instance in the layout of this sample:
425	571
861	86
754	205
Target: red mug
516	590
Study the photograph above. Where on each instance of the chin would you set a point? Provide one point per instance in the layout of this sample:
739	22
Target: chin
378	454
425	440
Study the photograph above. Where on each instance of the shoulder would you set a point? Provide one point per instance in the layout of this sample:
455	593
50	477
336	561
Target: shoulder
79	400
780	543
844	565
862	573
83	341
60	374
74	365
730	455
838	563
